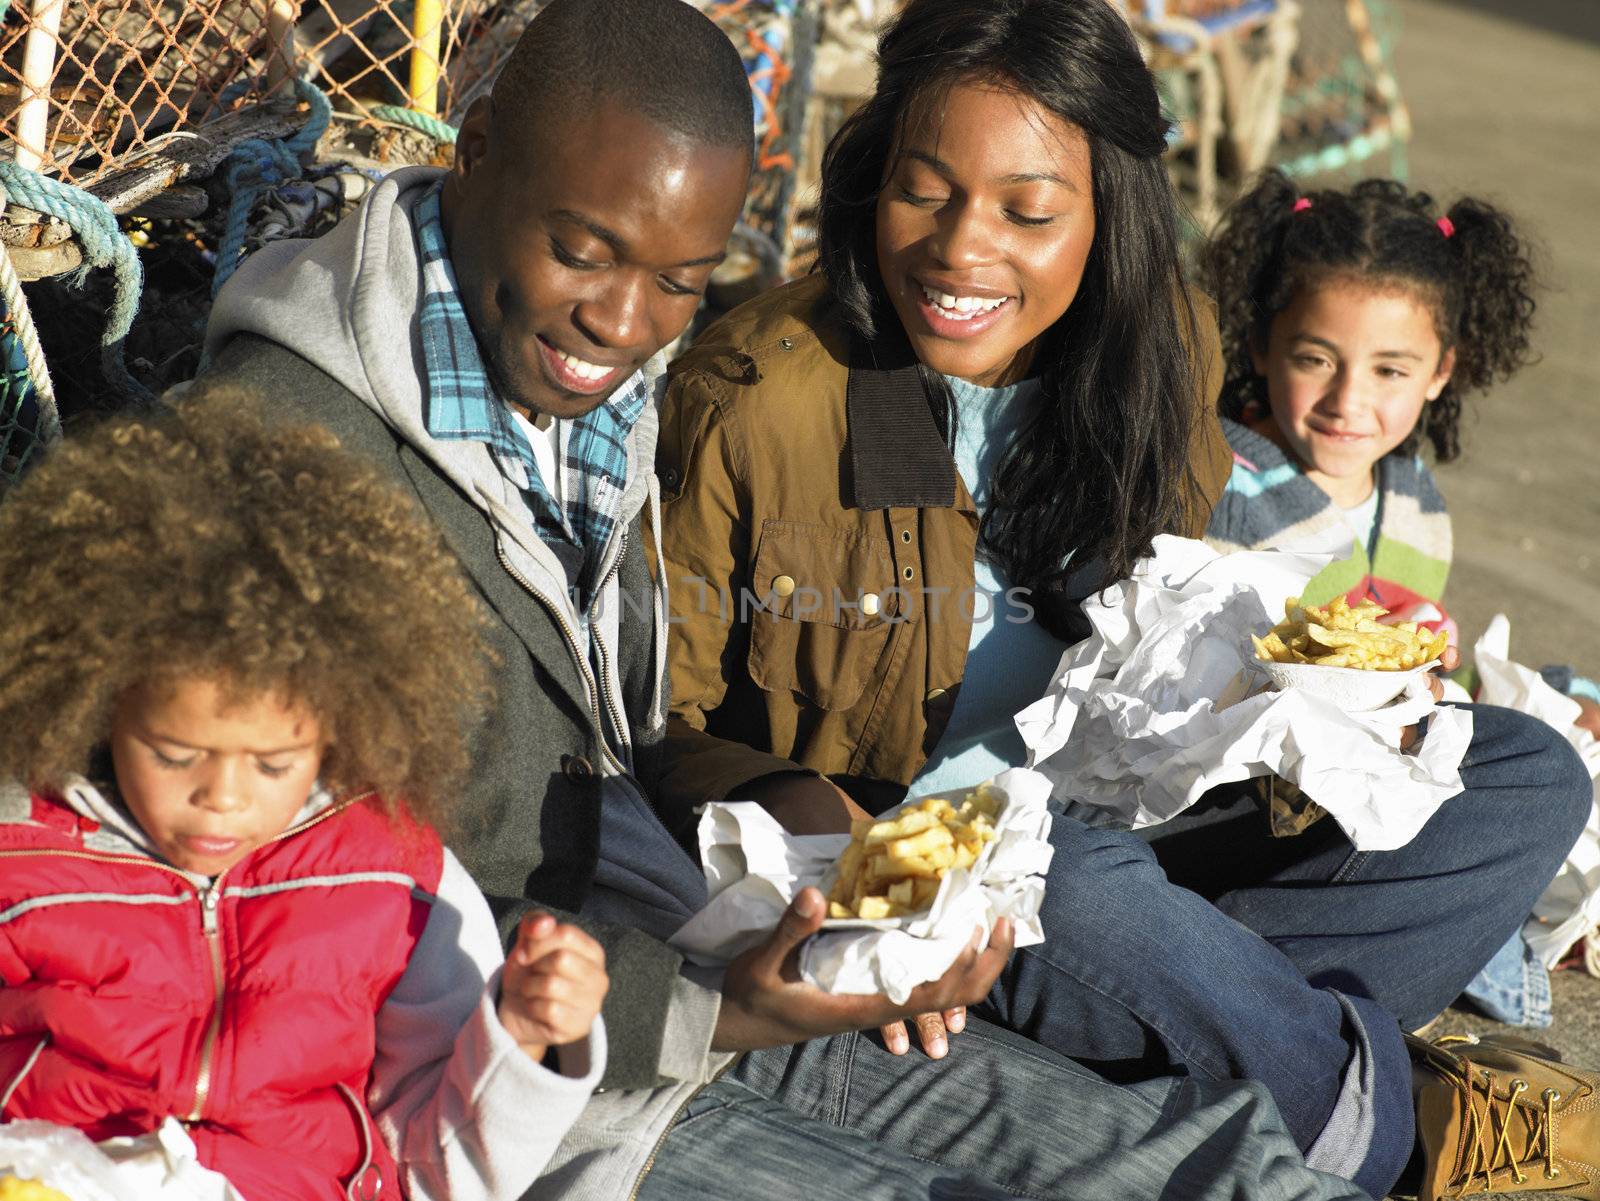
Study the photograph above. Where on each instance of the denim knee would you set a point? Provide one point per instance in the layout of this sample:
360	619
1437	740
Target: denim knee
1523	752
1095	875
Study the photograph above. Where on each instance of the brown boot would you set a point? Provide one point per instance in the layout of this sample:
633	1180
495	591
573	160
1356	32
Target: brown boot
1500	1115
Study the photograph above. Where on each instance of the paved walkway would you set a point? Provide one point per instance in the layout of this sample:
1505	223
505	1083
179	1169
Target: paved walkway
1505	99
1506	109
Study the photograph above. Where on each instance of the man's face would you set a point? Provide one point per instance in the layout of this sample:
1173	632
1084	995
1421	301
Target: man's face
583	247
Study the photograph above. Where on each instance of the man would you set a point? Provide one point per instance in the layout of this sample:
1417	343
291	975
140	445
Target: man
495	342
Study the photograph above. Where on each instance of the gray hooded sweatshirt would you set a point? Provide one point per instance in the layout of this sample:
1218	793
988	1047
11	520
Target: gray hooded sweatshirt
557	811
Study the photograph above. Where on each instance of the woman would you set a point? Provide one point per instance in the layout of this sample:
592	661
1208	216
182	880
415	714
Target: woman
888	485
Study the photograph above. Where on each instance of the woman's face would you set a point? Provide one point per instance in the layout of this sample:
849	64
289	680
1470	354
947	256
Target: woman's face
984	222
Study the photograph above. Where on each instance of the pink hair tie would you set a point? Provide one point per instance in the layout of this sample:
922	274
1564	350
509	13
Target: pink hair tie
1446	226
1304	203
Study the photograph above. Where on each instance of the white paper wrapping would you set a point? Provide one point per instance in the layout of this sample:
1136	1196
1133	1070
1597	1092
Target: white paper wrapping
1164	702
754	868
159	1166
1570	907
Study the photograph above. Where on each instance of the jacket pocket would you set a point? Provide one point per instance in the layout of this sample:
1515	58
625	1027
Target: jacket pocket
822	607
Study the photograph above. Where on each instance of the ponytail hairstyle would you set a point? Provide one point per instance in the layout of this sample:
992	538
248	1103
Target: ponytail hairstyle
1466	264
1102	464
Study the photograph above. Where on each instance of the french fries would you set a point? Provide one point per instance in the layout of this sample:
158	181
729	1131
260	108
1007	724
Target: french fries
892	868
1336	635
17	1188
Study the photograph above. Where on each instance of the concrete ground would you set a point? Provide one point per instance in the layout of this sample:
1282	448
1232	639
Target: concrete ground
1505	100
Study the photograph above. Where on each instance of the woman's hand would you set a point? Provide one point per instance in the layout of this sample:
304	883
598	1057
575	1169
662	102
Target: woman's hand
553	984
765	1003
803	803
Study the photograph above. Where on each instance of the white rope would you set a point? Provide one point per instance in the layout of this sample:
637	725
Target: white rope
49	429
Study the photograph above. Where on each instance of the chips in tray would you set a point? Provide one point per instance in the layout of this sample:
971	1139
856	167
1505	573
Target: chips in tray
892	868
1337	635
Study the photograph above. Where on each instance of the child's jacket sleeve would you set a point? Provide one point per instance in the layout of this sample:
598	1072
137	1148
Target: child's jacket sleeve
467	1115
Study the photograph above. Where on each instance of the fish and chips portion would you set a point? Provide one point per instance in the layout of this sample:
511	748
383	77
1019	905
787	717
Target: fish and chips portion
893	866
1341	635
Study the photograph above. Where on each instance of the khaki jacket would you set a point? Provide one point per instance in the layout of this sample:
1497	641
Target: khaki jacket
818	542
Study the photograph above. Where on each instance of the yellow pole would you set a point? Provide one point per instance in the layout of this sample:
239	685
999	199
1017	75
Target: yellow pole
427	23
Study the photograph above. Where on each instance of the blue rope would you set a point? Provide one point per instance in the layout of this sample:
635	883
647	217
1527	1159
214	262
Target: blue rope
104	245
256	166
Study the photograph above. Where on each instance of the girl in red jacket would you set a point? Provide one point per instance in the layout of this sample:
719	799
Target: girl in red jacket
225	650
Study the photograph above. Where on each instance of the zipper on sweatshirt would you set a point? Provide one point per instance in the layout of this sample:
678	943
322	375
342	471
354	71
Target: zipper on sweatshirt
210	896
673	1121
607	691
578	656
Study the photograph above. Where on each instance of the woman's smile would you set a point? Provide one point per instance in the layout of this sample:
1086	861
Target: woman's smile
955	311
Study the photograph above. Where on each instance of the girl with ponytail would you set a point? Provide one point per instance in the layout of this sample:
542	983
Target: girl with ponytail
1354	323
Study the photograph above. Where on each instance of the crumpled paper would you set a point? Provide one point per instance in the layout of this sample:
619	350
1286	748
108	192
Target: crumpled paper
1164	702
159	1166
754	868
1570	907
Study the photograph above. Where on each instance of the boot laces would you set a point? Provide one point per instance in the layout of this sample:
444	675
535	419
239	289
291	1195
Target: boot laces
1490	1128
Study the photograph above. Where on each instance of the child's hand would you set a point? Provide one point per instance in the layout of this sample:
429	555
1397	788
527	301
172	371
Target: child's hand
1588	716
554	981
1448	662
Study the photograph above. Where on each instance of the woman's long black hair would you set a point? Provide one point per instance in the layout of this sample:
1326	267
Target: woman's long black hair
1102	466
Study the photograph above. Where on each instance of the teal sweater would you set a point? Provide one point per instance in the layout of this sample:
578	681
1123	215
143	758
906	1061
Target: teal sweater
1269	501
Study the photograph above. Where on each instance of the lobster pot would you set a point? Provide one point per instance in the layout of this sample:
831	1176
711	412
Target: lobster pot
84	86
1342	106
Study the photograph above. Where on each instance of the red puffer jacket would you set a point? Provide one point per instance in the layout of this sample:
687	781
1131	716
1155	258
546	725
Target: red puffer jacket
246	1008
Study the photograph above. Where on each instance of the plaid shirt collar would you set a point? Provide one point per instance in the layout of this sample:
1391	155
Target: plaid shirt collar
461	405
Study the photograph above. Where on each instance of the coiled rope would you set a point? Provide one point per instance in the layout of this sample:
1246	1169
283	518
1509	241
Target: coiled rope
20	319
104	244
258	165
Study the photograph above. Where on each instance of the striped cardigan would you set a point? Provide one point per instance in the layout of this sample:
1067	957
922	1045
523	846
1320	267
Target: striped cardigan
1269	502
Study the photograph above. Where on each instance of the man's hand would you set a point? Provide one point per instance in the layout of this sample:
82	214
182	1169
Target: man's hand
765	1003
933	1032
552	986
805	804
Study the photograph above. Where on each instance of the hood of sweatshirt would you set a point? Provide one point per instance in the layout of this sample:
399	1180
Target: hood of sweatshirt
349	301
115	829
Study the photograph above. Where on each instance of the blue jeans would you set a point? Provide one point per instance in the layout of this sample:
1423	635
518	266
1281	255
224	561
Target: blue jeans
1209	946
1513	987
841	1119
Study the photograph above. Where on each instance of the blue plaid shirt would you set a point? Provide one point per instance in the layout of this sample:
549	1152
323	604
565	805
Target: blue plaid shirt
461	405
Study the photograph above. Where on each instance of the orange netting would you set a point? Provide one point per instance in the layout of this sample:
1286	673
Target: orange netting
103	79
84	86
82	83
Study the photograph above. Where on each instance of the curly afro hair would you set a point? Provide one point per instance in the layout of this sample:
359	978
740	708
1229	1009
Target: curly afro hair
1477	280
198	541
